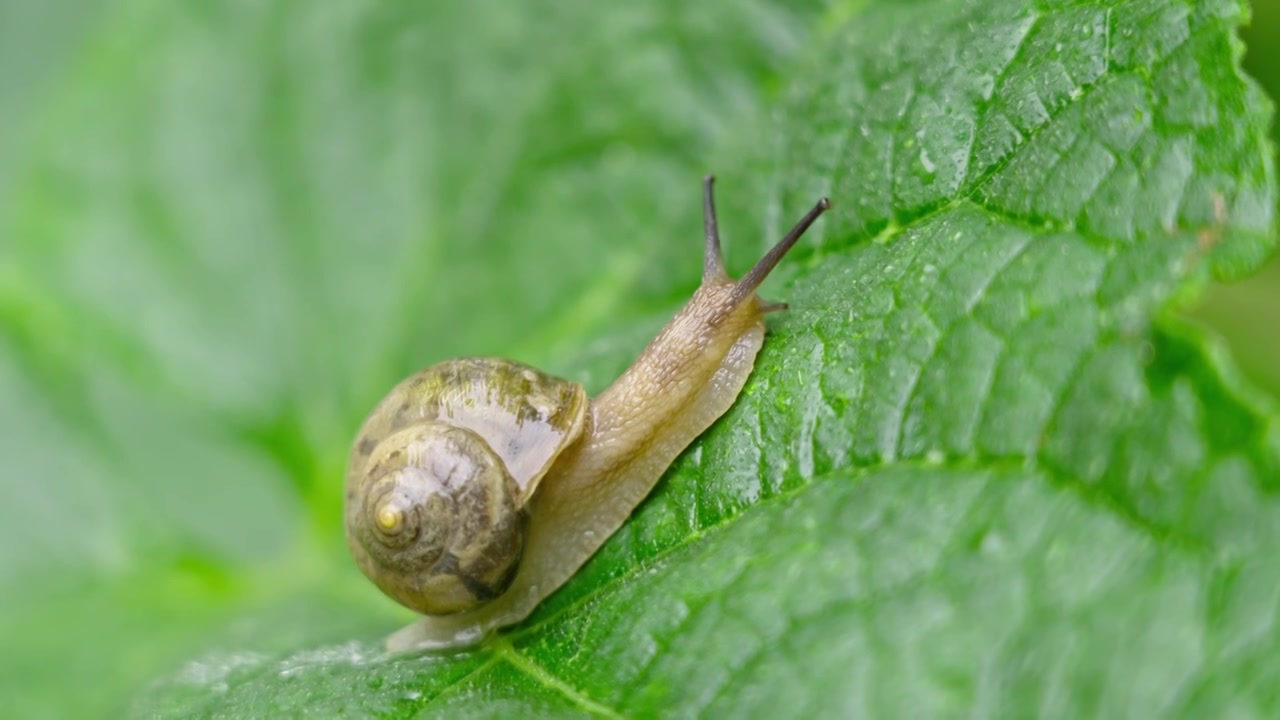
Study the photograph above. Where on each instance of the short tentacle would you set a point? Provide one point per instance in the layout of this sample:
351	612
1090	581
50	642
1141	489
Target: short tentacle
713	264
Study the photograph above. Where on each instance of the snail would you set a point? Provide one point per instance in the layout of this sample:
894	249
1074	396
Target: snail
479	486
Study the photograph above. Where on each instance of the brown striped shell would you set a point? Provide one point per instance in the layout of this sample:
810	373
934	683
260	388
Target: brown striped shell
441	474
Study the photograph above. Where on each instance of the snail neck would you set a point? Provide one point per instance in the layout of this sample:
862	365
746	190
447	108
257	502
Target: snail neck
687	378
683	373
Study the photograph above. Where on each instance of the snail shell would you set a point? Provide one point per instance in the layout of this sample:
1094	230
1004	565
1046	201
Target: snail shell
442	473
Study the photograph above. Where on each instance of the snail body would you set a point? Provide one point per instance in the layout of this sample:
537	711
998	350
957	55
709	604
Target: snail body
479	486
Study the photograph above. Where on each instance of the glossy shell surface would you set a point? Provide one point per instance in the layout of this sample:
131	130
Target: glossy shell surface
441	474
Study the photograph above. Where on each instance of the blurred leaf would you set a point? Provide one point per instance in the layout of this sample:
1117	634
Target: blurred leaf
1238	310
977	466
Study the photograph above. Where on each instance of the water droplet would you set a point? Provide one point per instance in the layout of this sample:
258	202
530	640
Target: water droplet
214	671
927	163
986	86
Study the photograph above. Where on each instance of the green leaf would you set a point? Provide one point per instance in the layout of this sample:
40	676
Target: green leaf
979	467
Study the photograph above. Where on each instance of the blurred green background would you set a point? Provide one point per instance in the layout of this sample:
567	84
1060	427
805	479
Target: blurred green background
49	54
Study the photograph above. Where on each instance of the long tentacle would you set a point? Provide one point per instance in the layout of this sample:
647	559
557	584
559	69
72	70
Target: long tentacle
751	281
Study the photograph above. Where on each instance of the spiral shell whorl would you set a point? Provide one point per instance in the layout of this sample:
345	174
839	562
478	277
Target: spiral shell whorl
442	473
439	526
